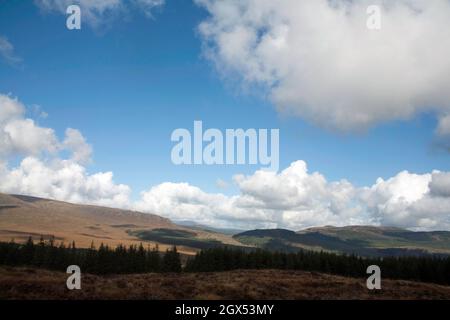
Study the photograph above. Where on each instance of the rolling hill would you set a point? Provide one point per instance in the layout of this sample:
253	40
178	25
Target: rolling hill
24	216
359	240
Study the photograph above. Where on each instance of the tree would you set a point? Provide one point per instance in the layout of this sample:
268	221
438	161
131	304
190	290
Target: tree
171	261
28	251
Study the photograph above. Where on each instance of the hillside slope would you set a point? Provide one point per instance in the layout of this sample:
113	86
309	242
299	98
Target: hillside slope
24	216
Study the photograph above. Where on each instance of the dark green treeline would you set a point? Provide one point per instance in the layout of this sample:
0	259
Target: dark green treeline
426	269
104	260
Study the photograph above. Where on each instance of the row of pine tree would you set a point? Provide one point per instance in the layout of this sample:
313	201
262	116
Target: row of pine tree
137	259
104	260
425	269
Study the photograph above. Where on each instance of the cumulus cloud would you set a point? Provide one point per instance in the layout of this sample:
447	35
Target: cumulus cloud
318	60
42	171
81	150
64	180
20	135
297	199
181	201
411	201
292	199
440	184
98	12
7	51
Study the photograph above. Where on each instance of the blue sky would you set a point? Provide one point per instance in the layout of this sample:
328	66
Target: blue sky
128	85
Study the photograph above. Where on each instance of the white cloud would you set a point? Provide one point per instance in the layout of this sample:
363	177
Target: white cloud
10	109
292	199
411	201
7	51
297	199
98	12
81	150
64	180
318	60
181	201
391	201
28	138
42	171
19	135
149	5
22	136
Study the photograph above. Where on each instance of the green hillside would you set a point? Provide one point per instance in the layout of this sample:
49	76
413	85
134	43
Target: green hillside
360	240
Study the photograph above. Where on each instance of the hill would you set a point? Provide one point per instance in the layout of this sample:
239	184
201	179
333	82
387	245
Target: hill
24	216
360	240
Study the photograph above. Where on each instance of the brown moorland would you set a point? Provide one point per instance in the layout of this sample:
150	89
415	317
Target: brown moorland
27	283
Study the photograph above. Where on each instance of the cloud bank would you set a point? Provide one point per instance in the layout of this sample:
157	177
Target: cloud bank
317	59
296	199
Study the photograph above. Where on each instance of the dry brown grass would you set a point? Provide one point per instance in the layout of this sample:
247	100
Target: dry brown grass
26	283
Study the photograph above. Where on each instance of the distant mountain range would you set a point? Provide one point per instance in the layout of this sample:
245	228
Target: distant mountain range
24	216
359	240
